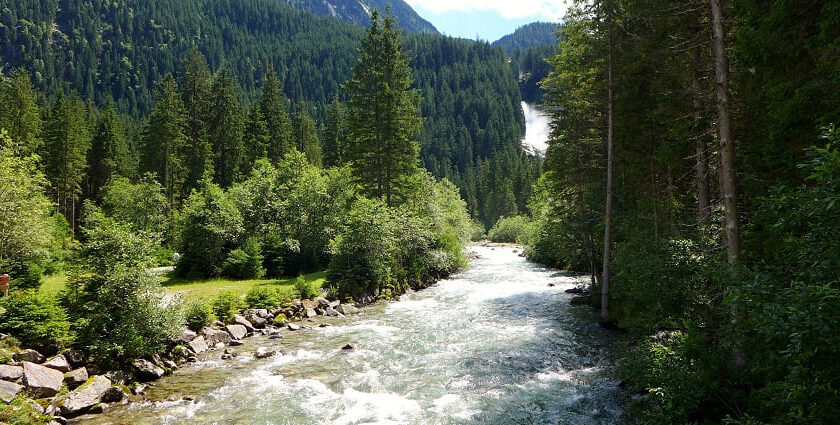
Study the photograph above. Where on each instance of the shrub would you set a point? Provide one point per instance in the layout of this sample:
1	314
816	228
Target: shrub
209	226
37	321
22	412
265	297
508	229
226	305
245	262
198	314
305	289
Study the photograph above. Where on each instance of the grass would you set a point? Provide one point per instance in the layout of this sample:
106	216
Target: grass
51	285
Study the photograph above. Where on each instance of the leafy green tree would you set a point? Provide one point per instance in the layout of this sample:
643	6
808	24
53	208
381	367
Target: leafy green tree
164	140
305	134
109	154
141	205
383	114
245	262
226	128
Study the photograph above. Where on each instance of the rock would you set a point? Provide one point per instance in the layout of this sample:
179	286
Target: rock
169	364
192	359
41	381
261	313
137	388
73	357
31	356
8	391
335	303
275	336
293	327
10	373
322	302
226	357
309	304
264	352
215	336
551	285
219	345
329	311
58	363
188	335
218	323
310	313
236	331
146	370
83	398
36	407
239	320
76	377
576	290
324	325
348	347
347	309
198	345
236	343
113	395
98	408
117	377
258	322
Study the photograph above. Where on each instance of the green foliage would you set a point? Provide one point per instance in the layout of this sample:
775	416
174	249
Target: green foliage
141	205
36	321
305	289
109	155
509	229
245	262
164	139
110	243
226	305
304	132
267	297
198	313
21	412
66	142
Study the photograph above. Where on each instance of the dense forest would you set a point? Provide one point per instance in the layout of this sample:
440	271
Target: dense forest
707	129
116	53
358	12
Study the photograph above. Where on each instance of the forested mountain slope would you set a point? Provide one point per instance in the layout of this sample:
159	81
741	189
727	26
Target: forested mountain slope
528	48
358	12
534	34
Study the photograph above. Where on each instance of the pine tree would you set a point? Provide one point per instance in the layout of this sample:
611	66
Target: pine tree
67	140
335	131
20	115
306	135
274	111
383	112
226	128
164	140
256	138
195	93
109	154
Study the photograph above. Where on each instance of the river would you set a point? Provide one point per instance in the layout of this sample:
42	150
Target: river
493	345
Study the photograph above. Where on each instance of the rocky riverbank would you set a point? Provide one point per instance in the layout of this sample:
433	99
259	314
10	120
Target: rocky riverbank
65	386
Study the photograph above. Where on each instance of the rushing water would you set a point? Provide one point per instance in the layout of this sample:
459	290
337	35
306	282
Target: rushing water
537	129
492	345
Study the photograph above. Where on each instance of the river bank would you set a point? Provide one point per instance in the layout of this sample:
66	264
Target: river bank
494	344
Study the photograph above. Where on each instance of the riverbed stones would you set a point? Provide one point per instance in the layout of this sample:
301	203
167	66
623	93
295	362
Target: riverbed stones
76	377
348	347
41	381
309	304
310	313
188	335
322	302
112	395
258	321
236	343
59	363
86	396
236	331
265	352
31	356
9	390
293	327
198	345
10	373
239	320
347	309
146	370
215	336
331	312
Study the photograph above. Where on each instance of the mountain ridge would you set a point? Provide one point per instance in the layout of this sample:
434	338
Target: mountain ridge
358	12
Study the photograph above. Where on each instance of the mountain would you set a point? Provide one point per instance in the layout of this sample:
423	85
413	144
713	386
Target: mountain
534	34
358	12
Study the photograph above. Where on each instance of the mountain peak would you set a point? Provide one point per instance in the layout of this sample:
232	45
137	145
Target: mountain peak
359	11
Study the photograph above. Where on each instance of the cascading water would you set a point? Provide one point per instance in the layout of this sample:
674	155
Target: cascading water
492	345
537	129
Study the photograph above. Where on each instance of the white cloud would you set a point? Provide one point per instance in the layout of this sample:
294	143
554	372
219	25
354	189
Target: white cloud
510	9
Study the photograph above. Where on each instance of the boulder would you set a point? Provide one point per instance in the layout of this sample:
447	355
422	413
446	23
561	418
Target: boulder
76	377
347	309
310	313
258	321
112	395
264	352
188	335
41	381
31	356
59	363
9	390
198	345
236	331
215	336
309	304
348	347
236	343
335	303
146	370
83	398
117	377
261	313
293	327
73	357
10	373
322	302
329	311
239	320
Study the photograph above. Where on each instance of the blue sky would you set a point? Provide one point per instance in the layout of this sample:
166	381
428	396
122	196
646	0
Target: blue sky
486	19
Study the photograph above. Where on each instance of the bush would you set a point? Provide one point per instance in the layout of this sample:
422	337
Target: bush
245	262
21	412
209	226
509	229
226	305
265	297
36	321
305	289
198	314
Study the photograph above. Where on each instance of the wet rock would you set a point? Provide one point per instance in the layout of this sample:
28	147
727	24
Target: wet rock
138	388
576	290
198	345
236	343
226	357
261	313
275	336
310	313
8	391
41	381
146	370
236	331
188	335
239	320
58	363
335	303
330	312
551	285
75	358
83	398
347	309
31	356
309	304
169	364
293	327
264	352
192	359
322	302
76	377
258	322
324	325
113	395
117	377
215	336
10	373
348	347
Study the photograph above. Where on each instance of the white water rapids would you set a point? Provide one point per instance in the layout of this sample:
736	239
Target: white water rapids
537	130
492	345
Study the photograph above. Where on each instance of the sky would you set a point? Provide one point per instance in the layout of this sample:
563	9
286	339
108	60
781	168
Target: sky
487	19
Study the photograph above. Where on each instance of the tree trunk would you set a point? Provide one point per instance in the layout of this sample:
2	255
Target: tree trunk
605	272
702	160
729	191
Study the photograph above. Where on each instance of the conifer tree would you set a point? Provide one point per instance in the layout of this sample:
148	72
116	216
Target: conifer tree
335	131
109	154
276	116
256	138
19	112
226	128
164	139
306	135
383	111
195	93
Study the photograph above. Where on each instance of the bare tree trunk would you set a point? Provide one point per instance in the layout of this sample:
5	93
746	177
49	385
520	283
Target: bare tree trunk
729	190
605	272
702	161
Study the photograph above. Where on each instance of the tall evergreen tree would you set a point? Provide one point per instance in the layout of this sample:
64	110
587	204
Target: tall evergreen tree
67	140
276	116
109	154
335	130
226	128
256	139
305	134
20	114
195	93
164	140
383	111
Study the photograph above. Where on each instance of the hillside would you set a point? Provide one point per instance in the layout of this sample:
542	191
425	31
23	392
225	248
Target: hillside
534	34
528	48
358	12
